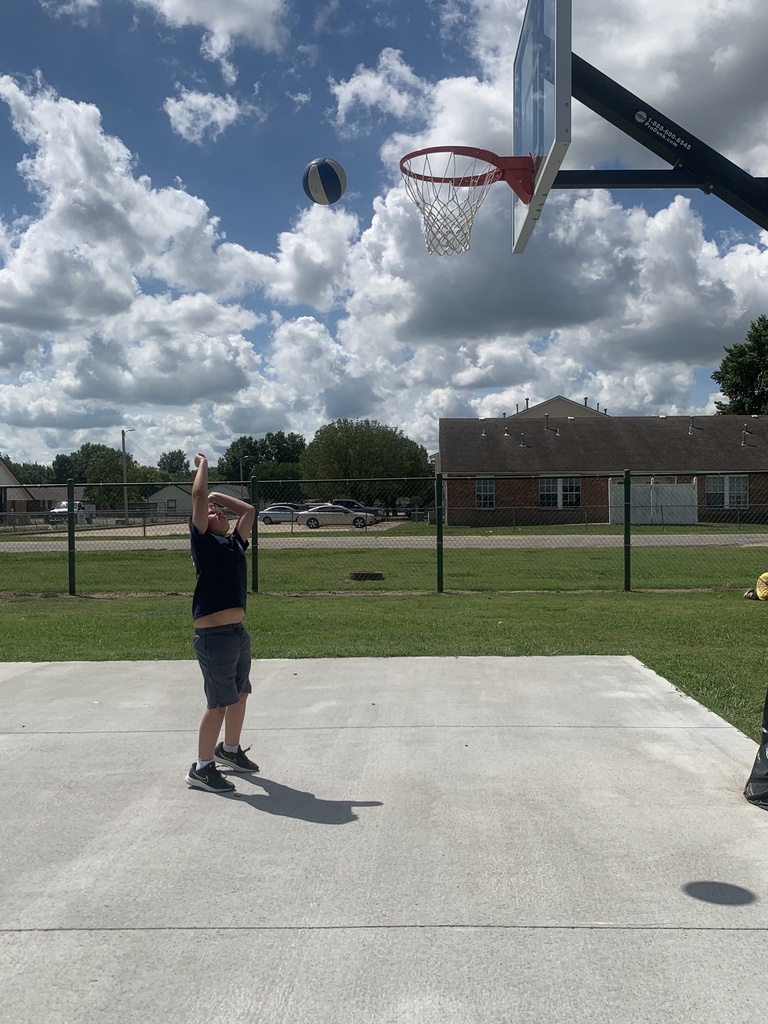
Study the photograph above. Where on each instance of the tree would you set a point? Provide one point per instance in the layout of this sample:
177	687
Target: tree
174	463
363	450
91	463
238	460
98	464
279	482
281	447
743	373
245	456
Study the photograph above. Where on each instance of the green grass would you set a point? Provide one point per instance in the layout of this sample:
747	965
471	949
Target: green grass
710	645
283	570
401	528
145	571
408	529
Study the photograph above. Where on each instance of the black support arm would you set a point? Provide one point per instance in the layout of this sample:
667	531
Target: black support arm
695	164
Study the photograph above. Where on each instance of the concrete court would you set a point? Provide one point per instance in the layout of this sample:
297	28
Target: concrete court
452	840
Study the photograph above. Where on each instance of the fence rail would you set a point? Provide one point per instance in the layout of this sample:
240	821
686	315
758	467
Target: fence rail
426	534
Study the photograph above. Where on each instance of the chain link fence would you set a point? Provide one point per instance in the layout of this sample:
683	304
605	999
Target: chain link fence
609	532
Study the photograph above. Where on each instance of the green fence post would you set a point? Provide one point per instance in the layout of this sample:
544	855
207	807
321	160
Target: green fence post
439	531
71	534
255	537
627	528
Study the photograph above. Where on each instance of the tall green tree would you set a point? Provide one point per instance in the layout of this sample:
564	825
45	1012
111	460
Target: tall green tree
281	447
96	465
174	463
91	463
245	456
360	450
238	460
743	373
279	482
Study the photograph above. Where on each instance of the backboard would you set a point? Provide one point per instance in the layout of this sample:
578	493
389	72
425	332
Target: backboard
542	98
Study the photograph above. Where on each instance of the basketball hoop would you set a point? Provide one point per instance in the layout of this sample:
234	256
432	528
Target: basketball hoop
448	184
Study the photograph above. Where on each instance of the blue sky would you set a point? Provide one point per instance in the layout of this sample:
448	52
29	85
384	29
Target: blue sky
161	268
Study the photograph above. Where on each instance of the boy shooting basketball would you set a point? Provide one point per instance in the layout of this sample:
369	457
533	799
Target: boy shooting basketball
222	644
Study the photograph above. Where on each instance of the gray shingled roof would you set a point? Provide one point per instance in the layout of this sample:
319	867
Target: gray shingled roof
609	444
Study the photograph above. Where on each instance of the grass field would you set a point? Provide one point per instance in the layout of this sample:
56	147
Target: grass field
400	527
710	645
494	569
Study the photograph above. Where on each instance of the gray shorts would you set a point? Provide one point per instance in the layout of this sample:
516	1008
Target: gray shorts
224	654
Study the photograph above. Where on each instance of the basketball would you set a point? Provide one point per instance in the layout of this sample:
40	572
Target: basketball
324	181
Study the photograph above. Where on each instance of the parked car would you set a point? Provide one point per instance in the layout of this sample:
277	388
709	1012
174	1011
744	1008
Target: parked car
83	513
356	506
278	514
335	515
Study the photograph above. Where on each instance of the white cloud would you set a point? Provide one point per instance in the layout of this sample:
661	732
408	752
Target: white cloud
700	62
76	8
97	341
119	297
299	99
609	302
259	23
196	116
313	370
391	87
311	264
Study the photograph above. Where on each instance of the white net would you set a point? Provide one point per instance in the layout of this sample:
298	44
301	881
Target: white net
448	188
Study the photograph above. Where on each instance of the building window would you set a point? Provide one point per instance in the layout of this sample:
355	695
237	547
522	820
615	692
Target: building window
560	492
170	505
485	493
727	492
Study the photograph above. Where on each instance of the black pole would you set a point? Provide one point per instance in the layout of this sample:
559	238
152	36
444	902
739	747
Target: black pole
255	537
439	529
71	534
627	529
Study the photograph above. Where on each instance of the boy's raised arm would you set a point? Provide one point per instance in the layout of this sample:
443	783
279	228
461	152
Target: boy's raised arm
200	494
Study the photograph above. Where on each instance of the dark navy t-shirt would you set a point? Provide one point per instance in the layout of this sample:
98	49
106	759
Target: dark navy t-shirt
222	574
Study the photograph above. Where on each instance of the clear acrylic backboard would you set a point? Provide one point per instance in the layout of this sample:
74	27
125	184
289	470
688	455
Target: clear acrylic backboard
542	104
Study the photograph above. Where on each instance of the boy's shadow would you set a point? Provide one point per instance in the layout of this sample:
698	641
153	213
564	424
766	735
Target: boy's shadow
293	803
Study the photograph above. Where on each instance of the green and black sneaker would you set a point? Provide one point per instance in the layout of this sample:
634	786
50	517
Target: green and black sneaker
236	760
208	778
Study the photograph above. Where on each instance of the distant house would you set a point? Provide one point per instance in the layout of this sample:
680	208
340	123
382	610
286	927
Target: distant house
48	495
176	499
550	469
173	500
559	406
15	499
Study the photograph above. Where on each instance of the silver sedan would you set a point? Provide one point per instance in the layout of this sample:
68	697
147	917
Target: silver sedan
278	514
334	515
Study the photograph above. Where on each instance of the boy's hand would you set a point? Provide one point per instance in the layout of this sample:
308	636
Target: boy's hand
199	458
